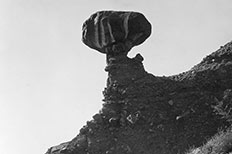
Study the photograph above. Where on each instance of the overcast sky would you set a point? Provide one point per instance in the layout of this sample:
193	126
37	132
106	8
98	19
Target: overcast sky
51	83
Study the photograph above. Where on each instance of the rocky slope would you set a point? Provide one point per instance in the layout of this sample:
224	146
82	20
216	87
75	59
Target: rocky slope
147	114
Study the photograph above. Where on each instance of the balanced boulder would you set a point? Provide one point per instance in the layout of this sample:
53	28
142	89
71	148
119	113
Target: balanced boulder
115	32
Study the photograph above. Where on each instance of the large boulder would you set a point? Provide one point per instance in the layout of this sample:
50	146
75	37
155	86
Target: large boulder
114	32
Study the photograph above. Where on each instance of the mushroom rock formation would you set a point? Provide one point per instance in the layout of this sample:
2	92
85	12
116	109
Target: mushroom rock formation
115	32
147	114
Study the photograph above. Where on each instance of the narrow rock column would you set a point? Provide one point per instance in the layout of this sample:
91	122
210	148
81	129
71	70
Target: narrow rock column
114	33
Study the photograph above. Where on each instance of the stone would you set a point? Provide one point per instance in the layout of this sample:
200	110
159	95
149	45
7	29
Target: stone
170	102
98	118
115	32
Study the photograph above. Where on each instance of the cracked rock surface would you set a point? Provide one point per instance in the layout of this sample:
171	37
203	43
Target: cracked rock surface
147	114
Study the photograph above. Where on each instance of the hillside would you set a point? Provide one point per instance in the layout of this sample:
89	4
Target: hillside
147	114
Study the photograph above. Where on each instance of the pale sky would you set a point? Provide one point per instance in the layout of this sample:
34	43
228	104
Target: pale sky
51	83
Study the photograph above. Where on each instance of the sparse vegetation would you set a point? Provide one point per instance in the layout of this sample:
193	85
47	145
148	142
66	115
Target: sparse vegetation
221	143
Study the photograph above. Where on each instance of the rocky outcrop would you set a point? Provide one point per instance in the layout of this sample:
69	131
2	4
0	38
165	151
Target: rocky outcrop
147	114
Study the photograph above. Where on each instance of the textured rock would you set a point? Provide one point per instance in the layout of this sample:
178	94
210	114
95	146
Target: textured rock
114	32
147	114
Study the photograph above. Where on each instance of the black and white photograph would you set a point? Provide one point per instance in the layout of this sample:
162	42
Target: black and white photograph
115	76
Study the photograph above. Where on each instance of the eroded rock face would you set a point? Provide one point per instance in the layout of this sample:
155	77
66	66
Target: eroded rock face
147	114
115	32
